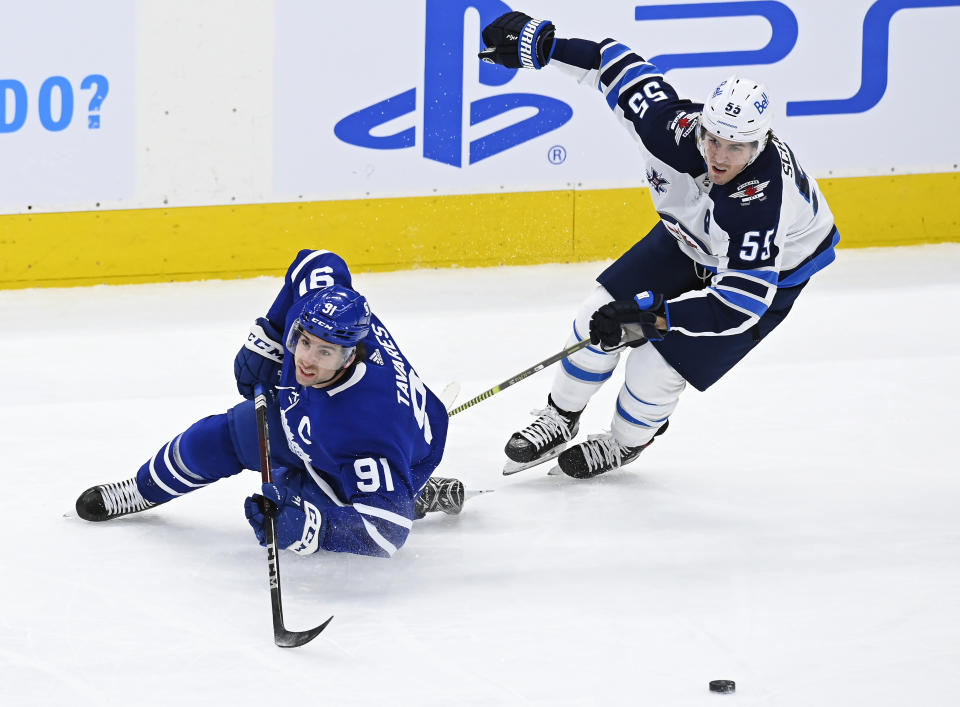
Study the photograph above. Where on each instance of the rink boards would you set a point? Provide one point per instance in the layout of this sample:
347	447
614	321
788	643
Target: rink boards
126	162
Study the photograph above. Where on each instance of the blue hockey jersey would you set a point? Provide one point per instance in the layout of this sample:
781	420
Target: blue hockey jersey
367	444
768	228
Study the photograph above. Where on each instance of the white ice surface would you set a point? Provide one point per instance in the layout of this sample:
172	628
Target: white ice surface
797	530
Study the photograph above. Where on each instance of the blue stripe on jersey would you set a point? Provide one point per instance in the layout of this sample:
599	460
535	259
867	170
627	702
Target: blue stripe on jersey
766	275
614	95
814	265
750	287
610	54
741	300
583	375
630	418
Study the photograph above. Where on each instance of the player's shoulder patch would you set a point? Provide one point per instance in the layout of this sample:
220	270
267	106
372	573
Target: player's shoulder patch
376	357
683	124
657	181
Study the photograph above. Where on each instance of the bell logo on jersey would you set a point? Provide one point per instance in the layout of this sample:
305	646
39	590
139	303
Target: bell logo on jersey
750	191
442	97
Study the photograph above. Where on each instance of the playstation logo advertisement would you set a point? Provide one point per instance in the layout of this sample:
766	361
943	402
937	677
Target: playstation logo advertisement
402	113
443	98
384	99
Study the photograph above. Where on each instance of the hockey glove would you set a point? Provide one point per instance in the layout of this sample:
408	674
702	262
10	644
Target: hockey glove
516	41
298	521
638	314
260	359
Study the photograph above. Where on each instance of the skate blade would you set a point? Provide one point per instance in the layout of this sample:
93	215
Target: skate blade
473	493
555	470
512	467
448	396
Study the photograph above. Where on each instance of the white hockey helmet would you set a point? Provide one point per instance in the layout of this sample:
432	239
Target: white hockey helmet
738	110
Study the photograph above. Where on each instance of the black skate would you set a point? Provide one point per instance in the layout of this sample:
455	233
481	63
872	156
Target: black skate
600	454
440	494
108	501
541	440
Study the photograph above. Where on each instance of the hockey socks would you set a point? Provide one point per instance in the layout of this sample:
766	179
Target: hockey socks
191	460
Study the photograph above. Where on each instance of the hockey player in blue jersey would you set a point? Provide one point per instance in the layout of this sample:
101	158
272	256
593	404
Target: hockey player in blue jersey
355	433
742	229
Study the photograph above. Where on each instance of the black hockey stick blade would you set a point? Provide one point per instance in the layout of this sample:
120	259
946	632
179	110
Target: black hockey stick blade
281	636
291	639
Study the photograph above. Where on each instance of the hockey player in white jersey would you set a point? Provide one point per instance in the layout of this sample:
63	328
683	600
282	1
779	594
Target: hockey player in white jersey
742	229
355	433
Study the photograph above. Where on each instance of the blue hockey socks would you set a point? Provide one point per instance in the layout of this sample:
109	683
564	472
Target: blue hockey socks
191	460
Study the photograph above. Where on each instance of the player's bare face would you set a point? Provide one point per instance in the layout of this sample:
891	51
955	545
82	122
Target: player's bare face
725	158
317	362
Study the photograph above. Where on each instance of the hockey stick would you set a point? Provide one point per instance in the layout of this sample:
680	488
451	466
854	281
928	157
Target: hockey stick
281	636
520	376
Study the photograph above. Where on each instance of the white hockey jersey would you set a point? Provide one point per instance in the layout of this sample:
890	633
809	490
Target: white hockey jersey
769	228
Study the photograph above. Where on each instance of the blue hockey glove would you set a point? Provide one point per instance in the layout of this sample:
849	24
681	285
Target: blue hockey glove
260	359
298	521
517	41
638	314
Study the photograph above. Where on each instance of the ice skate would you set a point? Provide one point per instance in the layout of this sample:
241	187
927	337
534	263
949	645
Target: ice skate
108	501
600	454
541	440
440	494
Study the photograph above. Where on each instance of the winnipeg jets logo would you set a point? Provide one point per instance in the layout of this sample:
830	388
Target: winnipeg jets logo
675	229
683	124
750	191
377	357
657	181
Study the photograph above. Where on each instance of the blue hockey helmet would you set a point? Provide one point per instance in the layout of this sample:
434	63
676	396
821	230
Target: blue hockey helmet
336	314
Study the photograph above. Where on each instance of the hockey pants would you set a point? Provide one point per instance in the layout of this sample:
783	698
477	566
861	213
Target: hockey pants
650	390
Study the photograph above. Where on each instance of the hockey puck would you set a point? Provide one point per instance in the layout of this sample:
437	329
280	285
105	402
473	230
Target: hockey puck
723	686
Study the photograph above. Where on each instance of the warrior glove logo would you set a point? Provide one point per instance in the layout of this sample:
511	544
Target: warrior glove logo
526	44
